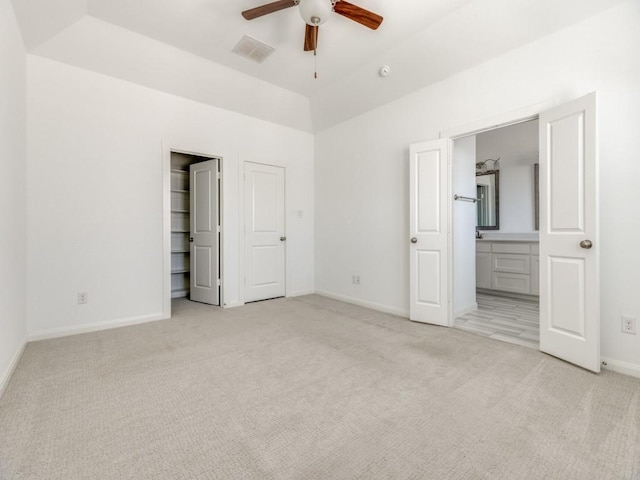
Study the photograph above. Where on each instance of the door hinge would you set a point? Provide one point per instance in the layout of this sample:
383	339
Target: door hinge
218	229
219	282
218	175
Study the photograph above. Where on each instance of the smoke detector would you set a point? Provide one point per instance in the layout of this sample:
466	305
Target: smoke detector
384	71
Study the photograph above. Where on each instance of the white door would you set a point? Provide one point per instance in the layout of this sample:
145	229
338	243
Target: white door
205	232
264	232
429	231
569	277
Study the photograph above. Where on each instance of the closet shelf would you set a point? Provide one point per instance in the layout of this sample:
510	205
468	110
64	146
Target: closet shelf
182	172
180	251
181	270
179	231
179	211
179	190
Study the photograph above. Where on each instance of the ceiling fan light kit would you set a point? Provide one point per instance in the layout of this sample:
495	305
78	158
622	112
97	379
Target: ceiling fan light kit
315	12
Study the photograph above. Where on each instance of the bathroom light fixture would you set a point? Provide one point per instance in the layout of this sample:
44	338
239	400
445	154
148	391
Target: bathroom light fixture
482	166
315	12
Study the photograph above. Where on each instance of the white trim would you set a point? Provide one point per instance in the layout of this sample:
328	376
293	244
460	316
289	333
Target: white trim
618	366
166	231
465	310
498	121
401	312
233	305
6	378
449	194
300	293
94	327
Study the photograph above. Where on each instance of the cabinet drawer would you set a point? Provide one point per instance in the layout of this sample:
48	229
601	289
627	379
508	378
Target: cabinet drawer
508	263
511	282
483	247
523	248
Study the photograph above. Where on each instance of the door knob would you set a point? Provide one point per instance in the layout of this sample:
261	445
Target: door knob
414	240
191	239
282	239
586	244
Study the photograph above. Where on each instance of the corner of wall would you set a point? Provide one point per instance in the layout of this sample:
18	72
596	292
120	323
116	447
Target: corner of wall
8	374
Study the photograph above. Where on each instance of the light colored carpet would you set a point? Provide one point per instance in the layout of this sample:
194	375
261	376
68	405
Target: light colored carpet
310	388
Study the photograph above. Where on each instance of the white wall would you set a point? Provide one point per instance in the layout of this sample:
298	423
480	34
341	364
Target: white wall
142	60
517	148
95	194
464	226
361	165
13	196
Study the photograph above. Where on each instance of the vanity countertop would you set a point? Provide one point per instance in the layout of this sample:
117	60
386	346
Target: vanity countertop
511	238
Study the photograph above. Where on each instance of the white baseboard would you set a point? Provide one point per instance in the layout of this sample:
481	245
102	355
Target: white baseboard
93	327
621	367
6	377
233	305
300	293
365	303
465	310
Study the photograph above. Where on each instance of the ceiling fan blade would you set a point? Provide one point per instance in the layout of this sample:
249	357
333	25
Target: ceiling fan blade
267	8
311	37
358	14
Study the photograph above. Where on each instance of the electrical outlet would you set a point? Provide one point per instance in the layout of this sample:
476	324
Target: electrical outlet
355	279
629	324
83	297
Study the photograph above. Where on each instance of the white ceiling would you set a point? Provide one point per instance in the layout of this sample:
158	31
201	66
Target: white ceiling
422	41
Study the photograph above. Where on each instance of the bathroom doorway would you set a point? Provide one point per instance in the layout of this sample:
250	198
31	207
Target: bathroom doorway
495	230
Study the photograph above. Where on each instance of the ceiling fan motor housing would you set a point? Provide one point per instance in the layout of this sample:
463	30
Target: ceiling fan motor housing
315	12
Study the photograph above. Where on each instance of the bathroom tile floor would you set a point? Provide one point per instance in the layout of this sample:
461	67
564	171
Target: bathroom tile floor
503	318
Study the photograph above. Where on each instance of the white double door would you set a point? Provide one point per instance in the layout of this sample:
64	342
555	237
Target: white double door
264	232
569	246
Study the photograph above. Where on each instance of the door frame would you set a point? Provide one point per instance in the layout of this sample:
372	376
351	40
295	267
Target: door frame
503	120
166	224
499	121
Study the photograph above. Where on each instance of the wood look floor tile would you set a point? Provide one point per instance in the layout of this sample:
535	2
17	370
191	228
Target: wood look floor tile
504	318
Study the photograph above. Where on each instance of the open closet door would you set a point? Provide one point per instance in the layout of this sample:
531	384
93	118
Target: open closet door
569	246
205	280
429	231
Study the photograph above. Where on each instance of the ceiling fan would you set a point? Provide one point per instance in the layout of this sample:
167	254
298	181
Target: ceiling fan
315	13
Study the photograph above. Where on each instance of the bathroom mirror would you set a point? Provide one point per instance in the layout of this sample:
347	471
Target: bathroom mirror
488	201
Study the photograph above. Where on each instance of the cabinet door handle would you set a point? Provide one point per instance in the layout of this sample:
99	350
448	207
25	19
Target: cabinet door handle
282	239
191	239
414	240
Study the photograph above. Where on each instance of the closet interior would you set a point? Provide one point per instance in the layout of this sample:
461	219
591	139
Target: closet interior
180	222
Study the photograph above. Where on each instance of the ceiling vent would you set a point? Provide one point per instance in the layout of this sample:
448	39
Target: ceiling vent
253	49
